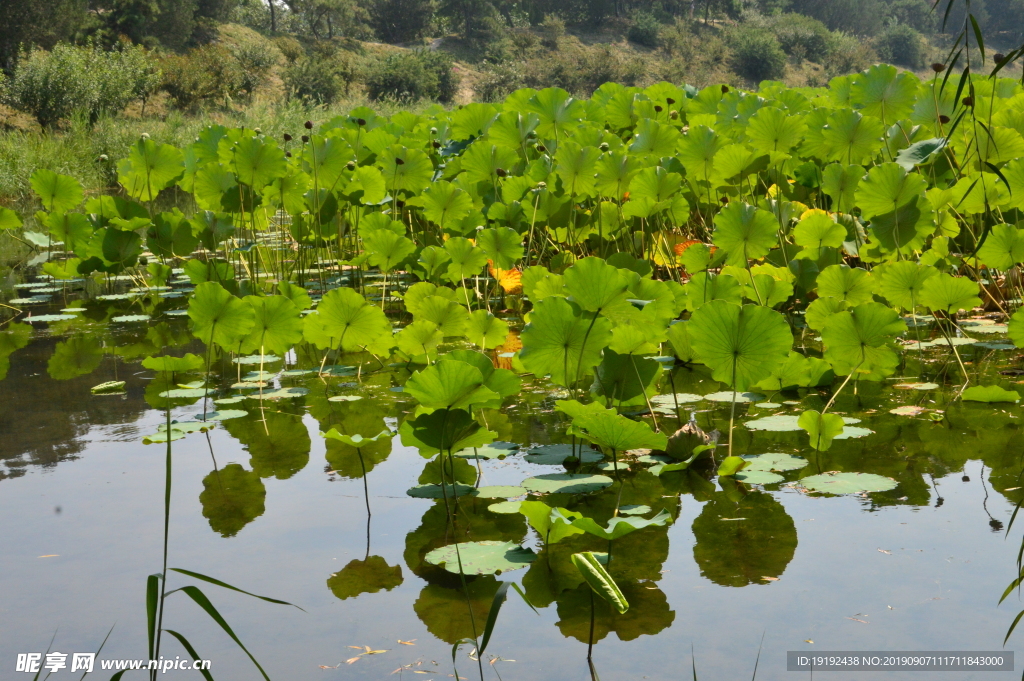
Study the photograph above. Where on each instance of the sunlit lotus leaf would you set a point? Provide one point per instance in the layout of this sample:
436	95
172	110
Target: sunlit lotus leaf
704	287
450	317
614	431
566	483
277	327
413	173
188	362
387	249
232	497
619	526
222	415
466	259
818	231
219	317
505	507
451	384
989	393
258	161
848	284
444	204
795	372
901	282
773	462
556	455
730	396
149	168
857	341
738	544
494	450
835	482
482	161
499	491
758	477
887	188
419	339
436	491
745	232
367	576
949	294
563	341
821	428
57	193
481	557
180	393
551	524
444	429
502	245
485	330
840	183
1003	247
741	345
851	138
625	380
773	130
595	286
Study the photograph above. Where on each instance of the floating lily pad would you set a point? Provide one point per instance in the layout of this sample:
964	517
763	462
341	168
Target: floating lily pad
634	509
282	393
610	466
767	405
917	386
938	342
505	507
256	359
850	432
234	399
555	455
115	296
990	393
495	450
773	462
108	388
908	410
176	313
681	398
499	491
162	437
34	300
726	396
435	491
996	346
48	318
338	370
259	375
397	389
653	458
129	318
986	326
551	483
787	422
71	310
222	415
180	393
835	482
753	477
245	385
481	557
189	426
345	398
298	372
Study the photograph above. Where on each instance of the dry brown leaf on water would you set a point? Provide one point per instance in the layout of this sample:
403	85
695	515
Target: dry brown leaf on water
407	643
359	647
323	666
807	640
353	659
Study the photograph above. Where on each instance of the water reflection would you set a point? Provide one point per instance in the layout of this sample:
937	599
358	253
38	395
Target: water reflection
278	442
232	497
370	575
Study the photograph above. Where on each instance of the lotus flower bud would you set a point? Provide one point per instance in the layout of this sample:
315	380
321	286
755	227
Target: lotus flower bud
308	125
938	68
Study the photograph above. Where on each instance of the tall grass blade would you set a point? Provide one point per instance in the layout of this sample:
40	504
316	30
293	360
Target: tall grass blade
191	651
212	580
203	602
492	615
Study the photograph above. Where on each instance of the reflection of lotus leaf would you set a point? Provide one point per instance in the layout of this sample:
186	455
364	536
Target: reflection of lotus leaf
232	498
282	393
760	542
481	557
364	577
505	507
555	455
648	613
989	393
835	482
773	462
726	396
444	610
566	483
279	447
75	357
436	492
758	477
495	450
222	415
499	491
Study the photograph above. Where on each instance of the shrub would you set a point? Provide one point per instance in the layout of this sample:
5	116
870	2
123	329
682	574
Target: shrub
644	29
255	59
802	37
900	44
290	47
202	74
411	76
917	14
523	40
320	80
848	54
552	30
498	82
581	70
757	55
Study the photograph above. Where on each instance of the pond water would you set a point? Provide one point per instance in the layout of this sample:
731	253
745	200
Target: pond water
263	503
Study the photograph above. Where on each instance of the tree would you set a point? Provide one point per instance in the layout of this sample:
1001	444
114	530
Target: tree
39	23
399	21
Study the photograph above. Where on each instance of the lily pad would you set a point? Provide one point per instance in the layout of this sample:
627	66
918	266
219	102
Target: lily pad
767	405
48	318
754	477
162	437
555	455
481	557
908	410
184	393
435	491
108	388
917	386
298	372
788	422
176	313
634	509
990	393
344	398
282	393
338	370
130	318
681	398
495	450
726	396
850	432
34	300
256	359
773	462
505	507
222	415
248	385
611	466
499	491
996	346
836	482
234	399
551	483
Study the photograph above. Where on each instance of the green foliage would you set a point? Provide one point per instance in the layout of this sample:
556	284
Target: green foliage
900	44
757	54
412	76
205	74
320	80
643	29
802	37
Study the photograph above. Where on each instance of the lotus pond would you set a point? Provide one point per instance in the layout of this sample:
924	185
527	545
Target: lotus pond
662	383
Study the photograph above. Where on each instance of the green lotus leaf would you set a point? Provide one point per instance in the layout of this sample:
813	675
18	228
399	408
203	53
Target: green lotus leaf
188	362
482	161
704	287
822	428
819	311
857	340
552	483
435	491
733	396
433	260
920	152
451	384
851	285
552	524
278	325
450	317
179	393
9	220
599	580
499	491
950	294
795	372
387	249
57	193
219	317
413	174
1015	329
258	161
149	168
884	92
556	455
619	526
357	440
818	231
505	507
481	557
625	380
419	339
576	166
608	429
557	110
901	282
741	345
281	394
773	130
905	229
502	245
368	576
679	339
444	430
595	286
745	232
563	341
835	482
445	205
840	183
495	450
989	393
485	330
773	462
467	259
232	497
222	415
852	138
108	388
